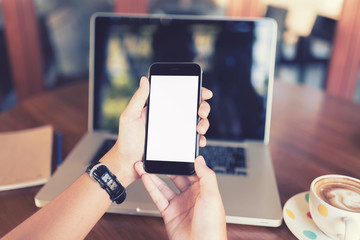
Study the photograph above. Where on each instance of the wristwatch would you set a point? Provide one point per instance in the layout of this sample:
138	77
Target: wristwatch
100	173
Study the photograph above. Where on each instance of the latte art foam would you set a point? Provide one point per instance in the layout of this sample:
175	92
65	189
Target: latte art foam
342	194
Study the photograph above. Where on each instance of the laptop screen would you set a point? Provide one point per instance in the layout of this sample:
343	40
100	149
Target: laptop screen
236	57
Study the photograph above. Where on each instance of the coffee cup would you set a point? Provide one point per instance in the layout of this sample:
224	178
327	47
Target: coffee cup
334	203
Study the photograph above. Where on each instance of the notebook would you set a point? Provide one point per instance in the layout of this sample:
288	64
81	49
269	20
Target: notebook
25	157
237	57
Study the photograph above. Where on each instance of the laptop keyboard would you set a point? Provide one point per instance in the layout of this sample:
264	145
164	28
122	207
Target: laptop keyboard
223	160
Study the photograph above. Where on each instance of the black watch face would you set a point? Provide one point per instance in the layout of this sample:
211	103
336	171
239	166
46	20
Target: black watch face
101	170
104	174
109	182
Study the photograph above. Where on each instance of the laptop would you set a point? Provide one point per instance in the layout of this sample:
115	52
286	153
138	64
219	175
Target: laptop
237	57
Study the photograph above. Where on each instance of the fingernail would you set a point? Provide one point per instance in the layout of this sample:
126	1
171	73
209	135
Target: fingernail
141	81
201	160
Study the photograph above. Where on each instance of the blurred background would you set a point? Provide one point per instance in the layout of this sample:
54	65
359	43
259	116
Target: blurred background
44	44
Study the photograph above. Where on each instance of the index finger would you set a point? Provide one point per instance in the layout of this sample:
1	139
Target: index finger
206	94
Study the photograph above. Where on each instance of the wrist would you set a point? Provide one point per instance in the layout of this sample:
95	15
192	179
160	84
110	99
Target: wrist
101	174
119	167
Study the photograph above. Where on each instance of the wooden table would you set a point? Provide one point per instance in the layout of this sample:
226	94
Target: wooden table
312	134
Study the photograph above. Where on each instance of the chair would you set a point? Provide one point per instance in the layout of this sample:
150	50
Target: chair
24	47
343	71
323	33
131	6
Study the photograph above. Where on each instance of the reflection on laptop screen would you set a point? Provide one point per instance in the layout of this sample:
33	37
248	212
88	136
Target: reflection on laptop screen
234	55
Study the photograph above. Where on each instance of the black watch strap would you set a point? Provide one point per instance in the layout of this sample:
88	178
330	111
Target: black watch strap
108	181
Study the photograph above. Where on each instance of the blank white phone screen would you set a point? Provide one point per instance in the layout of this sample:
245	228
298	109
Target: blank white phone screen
172	118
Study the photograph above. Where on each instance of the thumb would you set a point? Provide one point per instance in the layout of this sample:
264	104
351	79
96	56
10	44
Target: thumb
138	100
208	182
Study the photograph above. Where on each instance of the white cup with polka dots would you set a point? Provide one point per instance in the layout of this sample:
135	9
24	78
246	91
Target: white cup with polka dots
334	203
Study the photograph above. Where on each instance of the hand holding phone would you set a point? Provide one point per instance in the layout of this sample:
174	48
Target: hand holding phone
171	142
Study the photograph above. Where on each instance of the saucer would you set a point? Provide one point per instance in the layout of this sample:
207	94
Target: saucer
298	218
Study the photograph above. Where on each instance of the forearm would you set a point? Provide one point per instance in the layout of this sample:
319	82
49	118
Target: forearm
75	211
70	216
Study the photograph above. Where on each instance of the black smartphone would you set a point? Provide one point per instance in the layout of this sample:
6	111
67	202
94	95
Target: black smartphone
171	140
